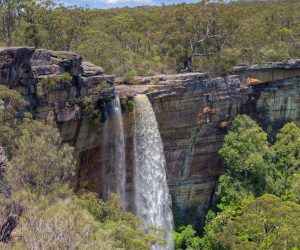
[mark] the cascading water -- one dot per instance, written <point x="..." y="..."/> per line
<point x="152" y="198"/>
<point x="105" y="141"/>
<point x="119" y="150"/>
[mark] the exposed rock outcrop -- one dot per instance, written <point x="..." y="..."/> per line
<point x="26" y="69"/>
<point x="192" y="110"/>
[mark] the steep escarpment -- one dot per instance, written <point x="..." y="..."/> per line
<point x="57" y="85"/>
<point x="193" y="118"/>
<point x="193" y="113"/>
<point x="275" y="92"/>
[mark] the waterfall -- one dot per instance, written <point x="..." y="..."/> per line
<point x="152" y="198"/>
<point x="119" y="150"/>
<point x="105" y="141"/>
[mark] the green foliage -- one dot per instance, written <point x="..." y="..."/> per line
<point x="206" y="36"/>
<point x="39" y="172"/>
<point x="149" y="72"/>
<point x="127" y="104"/>
<point x="185" y="238"/>
<point x="100" y="86"/>
<point x="57" y="221"/>
<point x="41" y="162"/>
<point x="91" y="111"/>
<point x="126" y="229"/>
<point x="11" y="97"/>
<point x="265" y="223"/>
<point x="287" y="146"/>
<point x="256" y="169"/>
<point x="287" y="159"/>
<point x="129" y="77"/>
<point x="278" y="52"/>
<point x="246" y="154"/>
<point x="10" y="102"/>
<point x="51" y="83"/>
<point x="7" y="139"/>
<point x="33" y="35"/>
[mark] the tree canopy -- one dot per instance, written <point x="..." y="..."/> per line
<point x="207" y="36"/>
<point x="258" y="194"/>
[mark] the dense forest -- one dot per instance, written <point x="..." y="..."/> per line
<point x="258" y="196"/>
<point x="147" y="40"/>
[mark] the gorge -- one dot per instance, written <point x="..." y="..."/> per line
<point x="192" y="111"/>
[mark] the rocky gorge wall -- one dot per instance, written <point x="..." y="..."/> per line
<point x="194" y="117"/>
<point x="193" y="113"/>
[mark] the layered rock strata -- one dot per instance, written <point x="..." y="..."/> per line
<point x="193" y="112"/>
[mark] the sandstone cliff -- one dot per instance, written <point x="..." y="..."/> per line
<point x="193" y="113"/>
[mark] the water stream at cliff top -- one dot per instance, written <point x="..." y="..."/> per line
<point x="152" y="198"/>
<point x="119" y="150"/>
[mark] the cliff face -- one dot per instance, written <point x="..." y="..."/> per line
<point x="28" y="70"/>
<point x="192" y="110"/>
<point x="193" y="114"/>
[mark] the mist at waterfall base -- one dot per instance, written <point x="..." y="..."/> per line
<point x="152" y="198"/>
<point x="152" y="202"/>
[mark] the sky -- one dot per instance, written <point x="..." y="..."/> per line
<point x="105" y="4"/>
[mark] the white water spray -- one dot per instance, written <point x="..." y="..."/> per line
<point x="152" y="198"/>
<point x="119" y="150"/>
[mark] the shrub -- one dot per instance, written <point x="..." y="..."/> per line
<point x="276" y="53"/>
<point x="126" y="229"/>
<point x="99" y="87"/>
<point x="91" y="111"/>
<point x="127" y="104"/>
<point x="11" y="101"/>
<point x="150" y="72"/>
<point x="41" y="162"/>
<point x="11" y="97"/>
<point x="61" y="225"/>
<point x="129" y="77"/>
<point x="51" y="83"/>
